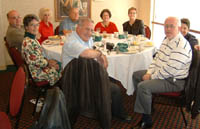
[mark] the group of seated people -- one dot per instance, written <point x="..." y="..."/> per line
<point x="166" y="73"/>
<point x="133" y="26"/>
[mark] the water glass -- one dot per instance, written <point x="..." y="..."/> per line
<point x="126" y="34"/>
<point x="104" y="34"/>
<point x="116" y="34"/>
<point x="98" y="30"/>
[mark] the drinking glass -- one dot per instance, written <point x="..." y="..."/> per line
<point x="126" y="34"/>
<point x="104" y="34"/>
<point x="98" y="30"/>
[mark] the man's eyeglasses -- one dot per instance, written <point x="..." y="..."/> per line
<point x="169" y="26"/>
<point x="17" y="17"/>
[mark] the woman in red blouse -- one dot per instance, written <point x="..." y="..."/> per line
<point x="106" y="25"/>
<point x="46" y="27"/>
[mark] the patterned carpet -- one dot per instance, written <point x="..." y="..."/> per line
<point x="164" y="117"/>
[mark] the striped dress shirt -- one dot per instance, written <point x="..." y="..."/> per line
<point x="172" y="60"/>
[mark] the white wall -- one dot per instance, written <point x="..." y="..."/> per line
<point x="144" y="11"/>
<point x="118" y="9"/>
<point x="2" y="53"/>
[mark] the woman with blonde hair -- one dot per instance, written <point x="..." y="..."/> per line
<point x="46" y="27"/>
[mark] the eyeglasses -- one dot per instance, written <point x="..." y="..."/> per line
<point x="132" y="13"/>
<point x="89" y="30"/>
<point x="169" y="26"/>
<point x="17" y="17"/>
<point x="34" y="25"/>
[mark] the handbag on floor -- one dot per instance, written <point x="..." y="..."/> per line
<point x="54" y="114"/>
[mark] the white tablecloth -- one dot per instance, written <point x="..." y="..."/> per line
<point x="121" y="66"/>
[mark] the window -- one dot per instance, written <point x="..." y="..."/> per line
<point x="178" y="8"/>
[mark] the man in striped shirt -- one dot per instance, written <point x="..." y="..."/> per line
<point x="166" y="73"/>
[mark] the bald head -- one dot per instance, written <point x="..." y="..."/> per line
<point x="74" y="14"/>
<point x="171" y="27"/>
<point x="14" y="18"/>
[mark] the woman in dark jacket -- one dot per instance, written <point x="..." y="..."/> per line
<point x="134" y="26"/>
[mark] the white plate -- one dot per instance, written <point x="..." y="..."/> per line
<point x="49" y="42"/>
<point x="55" y="37"/>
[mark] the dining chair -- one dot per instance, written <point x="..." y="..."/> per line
<point x="179" y="99"/>
<point x="147" y="31"/>
<point x="17" y="95"/>
<point x="56" y="31"/>
<point x="4" y="121"/>
<point x="14" y="54"/>
<point x="41" y="87"/>
<point x="173" y="99"/>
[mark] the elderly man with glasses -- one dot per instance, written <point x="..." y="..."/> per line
<point x="15" y="31"/>
<point x="167" y="72"/>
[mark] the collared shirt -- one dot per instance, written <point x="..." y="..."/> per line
<point x="172" y="60"/>
<point x="73" y="47"/>
<point x="66" y="24"/>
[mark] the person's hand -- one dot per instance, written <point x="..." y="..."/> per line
<point x="103" y="60"/>
<point x="66" y="32"/>
<point x="197" y="47"/>
<point x="146" y="77"/>
<point x="53" y="63"/>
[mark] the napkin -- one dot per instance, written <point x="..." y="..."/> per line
<point x="97" y="38"/>
<point x="121" y="36"/>
<point x="122" y="47"/>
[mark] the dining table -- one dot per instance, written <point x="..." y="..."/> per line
<point x="121" y="65"/>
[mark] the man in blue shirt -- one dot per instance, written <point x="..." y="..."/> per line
<point x="68" y="25"/>
<point x="79" y="44"/>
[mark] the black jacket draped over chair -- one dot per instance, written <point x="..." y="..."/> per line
<point x="192" y="86"/>
<point x="85" y="84"/>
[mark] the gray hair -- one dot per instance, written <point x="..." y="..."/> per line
<point x="28" y="18"/>
<point x="83" y="20"/>
<point x="178" y="23"/>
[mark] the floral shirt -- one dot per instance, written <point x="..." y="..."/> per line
<point x="36" y="61"/>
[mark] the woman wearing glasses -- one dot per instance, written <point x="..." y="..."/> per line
<point x="40" y="67"/>
<point x="134" y="26"/>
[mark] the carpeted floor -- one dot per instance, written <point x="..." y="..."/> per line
<point x="164" y="117"/>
